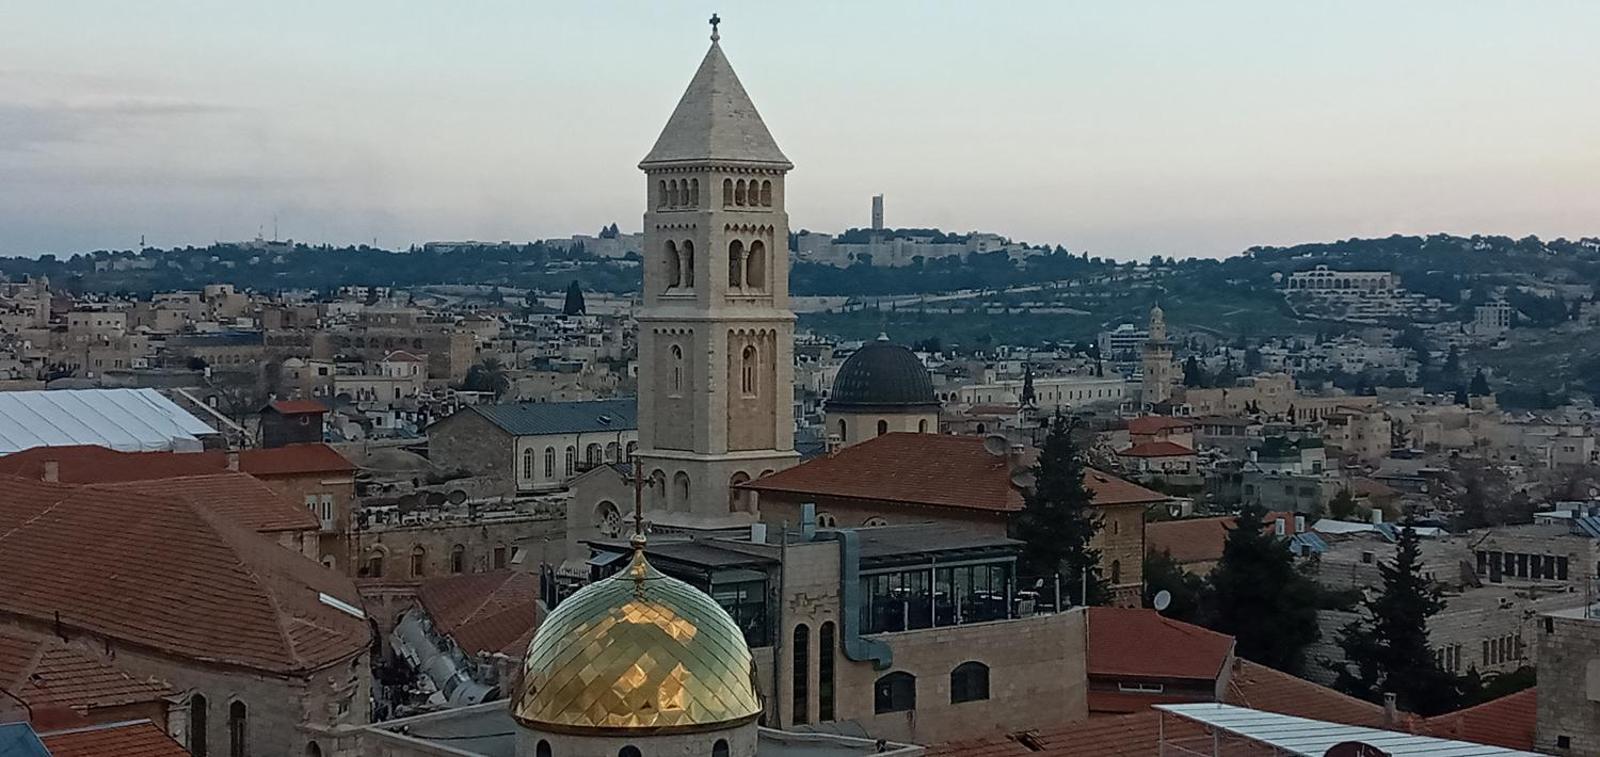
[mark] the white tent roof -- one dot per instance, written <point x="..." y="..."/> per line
<point x="129" y="420"/>
<point x="1313" y="738"/>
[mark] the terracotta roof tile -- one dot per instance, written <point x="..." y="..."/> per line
<point x="44" y="673"/>
<point x="164" y="573"/>
<point x="239" y="496"/>
<point x="932" y="470"/>
<point x="89" y="464"/>
<point x="1190" y="540"/>
<point x="1262" y="688"/>
<point x="1156" y="449"/>
<point x="1505" y="722"/>
<point x="484" y="612"/>
<point x="140" y="738"/>
<point x="1140" y="643"/>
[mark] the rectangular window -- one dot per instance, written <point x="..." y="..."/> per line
<point x="1561" y="568"/>
<point x="1140" y="687"/>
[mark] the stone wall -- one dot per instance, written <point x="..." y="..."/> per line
<point x="1569" y="684"/>
<point x="468" y="441"/>
<point x="540" y="536"/>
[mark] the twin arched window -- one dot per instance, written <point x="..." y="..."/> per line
<point x="679" y="262"/>
<point x="680" y="490"/>
<point x="969" y="682"/>
<point x="749" y="381"/>
<point x="677" y="369"/>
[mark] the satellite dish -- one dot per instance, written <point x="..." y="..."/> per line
<point x="457" y="497"/>
<point x="435" y="499"/>
<point x="996" y="444"/>
<point x="1023" y="479"/>
<point x="1163" y="600"/>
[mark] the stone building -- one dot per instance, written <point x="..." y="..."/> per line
<point x="1568" y="644"/>
<point x="1158" y="370"/>
<point x="287" y="422"/>
<point x="881" y="388"/>
<point x="265" y="649"/>
<point x="531" y="447"/>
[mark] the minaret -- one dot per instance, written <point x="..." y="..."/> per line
<point x="1156" y="386"/>
<point x="716" y="337"/>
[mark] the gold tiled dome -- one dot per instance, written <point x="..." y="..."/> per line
<point x="636" y="651"/>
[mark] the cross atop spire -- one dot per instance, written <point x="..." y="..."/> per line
<point x="715" y="19"/>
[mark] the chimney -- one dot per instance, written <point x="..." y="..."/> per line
<point x="1391" y="712"/>
<point x="1377" y="516"/>
<point x="1299" y="524"/>
<point x="1278" y="526"/>
<point x="233" y="461"/>
<point x="52" y="471"/>
<point x="808" y="520"/>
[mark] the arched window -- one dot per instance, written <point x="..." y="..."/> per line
<point x="720" y="749"/>
<point x="842" y="429"/>
<point x="895" y="692"/>
<point x="611" y="452"/>
<point x="313" y="749"/>
<point x="694" y="193"/>
<point x="826" y="643"/>
<point x="826" y="520"/>
<point x="766" y="194"/>
<point x="748" y="383"/>
<point x="875" y="522"/>
<point x="727" y="192"/>
<point x="687" y="256"/>
<point x="755" y="266"/>
<point x="1116" y="571"/>
<point x="802" y="674"/>
<point x="661" y="199"/>
<point x="922" y="426"/>
<point x="542" y="749"/>
<point x="592" y="454"/>
<point x="236" y="730"/>
<point x="674" y="264"/>
<point x="197" y="725"/>
<point x="419" y="561"/>
<point x="738" y="193"/>
<point x="736" y="496"/>
<point x="680" y="490"/>
<point x="628" y="751"/>
<point x="527" y="463"/>
<point x="458" y="559"/>
<point x="969" y="682"/>
<point x="677" y="369"/>
<point x="550" y="462"/>
<point x="627" y="451"/>
<point x="607" y="519"/>
<point x="572" y="460"/>
<point x="883" y="427"/>
<point x="375" y="564"/>
<point x="735" y="264"/>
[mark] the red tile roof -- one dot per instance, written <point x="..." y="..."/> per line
<point x="1505" y="722"/>
<point x="1195" y="540"/>
<point x="1261" y="688"/>
<point x="1139" y="643"/>
<point x="89" y="464"/>
<point x="44" y="672"/>
<point x="239" y="496"/>
<point x="1151" y="424"/>
<point x="929" y="469"/>
<point x="166" y="574"/>
<point x="298" y="407"/>
<point x="484" y="612"/>
<point x="1157" y="449"/>
<point x="139" y="738"/>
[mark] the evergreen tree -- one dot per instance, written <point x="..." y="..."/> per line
<point x="487" y="376"/>
<point x="1193" y="376"/>
<point x="1387" y="649"/>
<point x="1480" y="385"/>
<point x="1343" y="505"/>
<point x="574" y="304"/>
<point x="1027" y="387"/>
<point x="1163" y="573"/>
<point x="1058" y="519"/>
<point x="1260" y="598"/>
<point x="1461" y="395"/>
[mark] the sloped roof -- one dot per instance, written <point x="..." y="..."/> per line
<point x="1156" y="449"/>
<point x="124" y="419"/>
<point x="544" y="418"/>
<point x="929" y="469"/>
<point x="239" y="496"/>
<point x="138" y="738"/>
<point x="166" y="574"/>
<point x="1259" y="687"/>
<point x="44" y="672"/>
<point x="1141" y="643"/>
<point x="484" y="612"/>
<point x="298" y="407"/>
<point x="715" y="121"/>
<point x="1189" y="540"/>
<point x="1507" y="722"/>
<point x="92" y="464"/>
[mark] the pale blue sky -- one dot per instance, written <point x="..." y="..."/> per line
<point x="1122" y="128"/>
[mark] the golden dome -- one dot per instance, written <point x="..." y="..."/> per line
<point x="638" y="650"/>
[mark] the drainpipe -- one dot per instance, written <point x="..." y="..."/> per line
<point x="855" y="646"/>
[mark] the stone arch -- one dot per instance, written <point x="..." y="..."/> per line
<point x="739" y="193"/>
<point x="766" y="194"/>
<point x="694" y="193"/>
<point x="607" y="518"/>
<point x="593" y="454"/>
<point x="571" y="462"/>
<point x="686" y="259"/>
<point x="458" y="558"/>
<point x="844" y="428"/>
<point x="680" y="492"/>
<point x="727" y="192"/>
<point x="677" y="369"/>
<point x="922" y="426"/>
<point x="661" y="195"/>
<point x="749" y="373"/>
<point x="736" y="255"/>
<point x="755" y="267"/>
<point x="883" y="427"/>
<point x="738" y="499"/>
<point x="674" y="266"/>
<point x="419" y="561"/>
<point x="612" y="451"/>
<point x="198" y="715"/>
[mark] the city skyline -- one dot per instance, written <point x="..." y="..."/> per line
<point x="1123" y="132"/>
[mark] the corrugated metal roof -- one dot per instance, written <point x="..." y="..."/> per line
<point x="542" y="418"/>
<point x="1313" y="738"/>
<point x="130" y="420"/>
<point x="1586" y="525"/>
<point x="18" y="740"/>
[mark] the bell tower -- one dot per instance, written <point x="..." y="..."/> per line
<point x="716" y="337"/>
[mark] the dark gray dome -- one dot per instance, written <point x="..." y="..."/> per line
<point x="882" y="375"/>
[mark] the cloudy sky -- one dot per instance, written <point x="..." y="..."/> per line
<point x="1125" y="129"/>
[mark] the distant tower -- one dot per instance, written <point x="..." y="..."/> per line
<point x="1157" y="364"/>
<point x="877" y="212"/>
<point x="716" y="336"/>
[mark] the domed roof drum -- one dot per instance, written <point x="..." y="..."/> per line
<point x="885" y="376"/>
<point x="637" y="652"/>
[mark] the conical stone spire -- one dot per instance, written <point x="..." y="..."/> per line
<point x="715" y="122"/>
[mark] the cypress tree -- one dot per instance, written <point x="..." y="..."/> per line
<point x="1260" y="598"/>
<point x="574" y="304"/>
<point x="1058" y="520"/>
